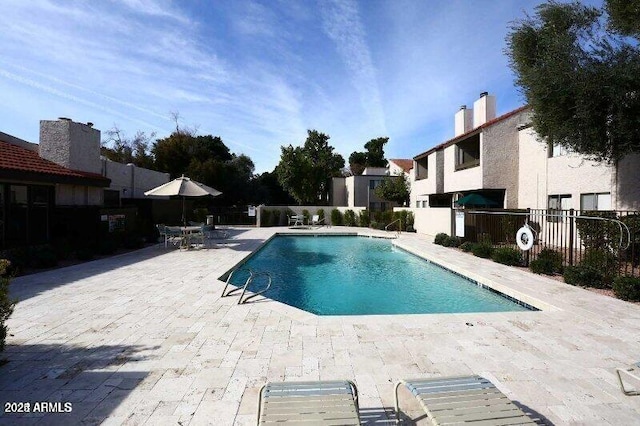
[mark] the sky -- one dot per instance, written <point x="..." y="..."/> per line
<point x="258" y="74"/>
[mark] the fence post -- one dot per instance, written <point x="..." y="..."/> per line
<point x="571" y="236"/>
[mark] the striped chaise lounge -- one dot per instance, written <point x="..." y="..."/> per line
<point x="468" y="399"/>
<point x="326" y="403"/>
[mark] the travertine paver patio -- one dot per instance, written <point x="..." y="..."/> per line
<point x="144" y="338"/>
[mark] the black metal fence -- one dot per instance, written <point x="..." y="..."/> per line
<point x="569" y="232"/>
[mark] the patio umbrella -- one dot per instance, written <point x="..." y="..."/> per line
<point x="184" y="187"/>
<point x="476" y="200"/>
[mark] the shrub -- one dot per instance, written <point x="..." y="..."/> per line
<point x="467" y="246"/>
<point x="452" y="242"/>
<point x="306" y="214"/>
<point x="584" y="276"/>
<point x="6" y="304"/>
<point x="482" y="250"/>
<point x="63" y="248"/>
<point x="364" y="218"/>
<point x="548" y="262"/>
<point x="336" y="217"/>
<point x="604" y="261"/>
<point x="320" y="214"/>
<point x="402" y="215"/>
<point x="441" y="238"/>
<point x="349" y="218"/>
<point x="507" y="256"/>
<point x="411" y="220"/>
<point x="627" y="288"/>
<point x="265" y="217"/>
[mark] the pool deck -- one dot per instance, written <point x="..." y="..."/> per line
<point x="144" y="338"/>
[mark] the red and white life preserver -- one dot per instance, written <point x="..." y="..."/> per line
<point x="524" y="238"/>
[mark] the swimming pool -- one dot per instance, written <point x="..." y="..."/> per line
<point x="348" y="275"/>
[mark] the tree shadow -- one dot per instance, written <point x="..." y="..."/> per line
<point x="91" y="381"/>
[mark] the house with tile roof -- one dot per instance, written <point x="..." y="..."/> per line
<point x="62" y="177"/>
<point x="502" y="160"/>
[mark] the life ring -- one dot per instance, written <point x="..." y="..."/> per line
<point x="524" y="238"/>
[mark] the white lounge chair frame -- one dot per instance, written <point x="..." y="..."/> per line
<point x="319" y="402"/>
<point x="455" y="400"/>
<point x="633" y="371"/>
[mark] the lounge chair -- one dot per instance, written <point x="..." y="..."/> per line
<point x="316" y="221"/>
<point x="326" y="403"/>
<point x="632" y="371"/>
<point x="469" y="399"/>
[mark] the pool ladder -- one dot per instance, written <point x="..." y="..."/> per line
<point x="252" y="275"/>
<point x="398" y="231"/>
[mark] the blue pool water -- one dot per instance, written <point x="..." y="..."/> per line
<point x="341" y="275"/>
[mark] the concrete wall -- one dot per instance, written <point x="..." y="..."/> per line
<point x="69" y="144"/>
<point x="628" y="184"/>
<point x="499" y="158"/>
<point x="132" y="181"/>
<point x="461" y="180"/>
<point x="532" y="171"/>
<point x="338" y="191"/>
<point x="78" y="195"/>
<point x="431" y="221"/>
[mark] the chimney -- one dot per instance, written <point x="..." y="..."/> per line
<point x="72" y="145"/>
<point x="484" y="109"/>
<point x="464" y="120"/>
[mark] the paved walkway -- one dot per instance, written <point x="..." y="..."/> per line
<point x="144" y="338"/>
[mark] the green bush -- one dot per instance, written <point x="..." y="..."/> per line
<point x="306" y="214"/>
<point x="627" y="288"/>
<point x="411" y="220"/>
<point x="467" y="246"/>
<point x="603" y="261"/>
<point x="336" y="217"/>
<point x="584" y="276"/>
<point x="452" y="242"/>
<point x="320" y="214"/>
<point x="441" y="238"/>
<point x="548" y="262"/>
<point x="364" y="218"/>
<point x="265" y="217"/>
<point x="349" y="218"/>
<point x="403" y="216"/>
<point x="507" y="256"/>
<point x="482" y="250"/>
<point x="63" y="248"/>
<point x="6" y="304"/>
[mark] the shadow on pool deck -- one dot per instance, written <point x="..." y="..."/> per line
<point x="86" y="377"/>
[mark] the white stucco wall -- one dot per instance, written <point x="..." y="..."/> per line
<point x="78" y="195"/>
<point x="532" y="167"/>
<point x="135" y="180"/>
<point x="628" y="183"/>
<point x="431" y="221"/>
<point x="572" y="174"/>
<point x="461" y="180"/>
<point x="423" y="186"/>
<point x="72" y="145"/>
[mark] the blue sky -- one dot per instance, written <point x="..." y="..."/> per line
<point x="257" y="73"/>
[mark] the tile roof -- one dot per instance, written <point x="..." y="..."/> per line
<point x="405" y="163"/>
<point x="471" y="132"/>
<point x="16" y="159"/>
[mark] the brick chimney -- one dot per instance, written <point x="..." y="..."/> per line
<point x="463" y="120"/>
<point x="484" y="109"/>
<point x="70" y="144"/>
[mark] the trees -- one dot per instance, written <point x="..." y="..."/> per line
<point x="305" y="172"/>
<point x="372" y="157"/>
<point x="126" y="150"/>
<point x="581" y="80"/>
<point x="394" y="188"/>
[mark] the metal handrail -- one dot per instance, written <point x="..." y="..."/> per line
<point x="253" y="275"/>
<point x="234" y="290"/>
<point x="386" y="228"/>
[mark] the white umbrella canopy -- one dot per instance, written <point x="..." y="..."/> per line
<point x="184" y="187"/>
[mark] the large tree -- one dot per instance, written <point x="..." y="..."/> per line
<point x="372" y="157"/>
<point x="582" y="78"/>
<point x="305" y="172"/>
<point x="394" y="188"/>
<point x="118" y="147"/>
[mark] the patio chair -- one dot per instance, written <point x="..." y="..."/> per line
<point x="320" y="402"/>
<point x="468" y="399"/>
<point x="632" y="371"/>
<point x="316" y="221"/>
<point x="173" y="235"/>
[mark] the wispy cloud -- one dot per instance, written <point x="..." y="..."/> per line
<point x="342" y="23"/>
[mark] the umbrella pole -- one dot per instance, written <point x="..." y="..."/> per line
<point x="184" y="216"/>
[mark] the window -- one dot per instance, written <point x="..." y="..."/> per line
<point x="601" y="201"/>
<point x="440" y="200"/>
<point x="555" y="150"/>
<point x="468" y="153"/>
<point x="422" y="168"/>
<point x="556" y="203"/>
<point x="373" y="184"/>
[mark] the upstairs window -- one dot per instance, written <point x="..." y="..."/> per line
<point x="556" y="204"/>
<point x="468" y="153"/>
<point x="554" y="150"/>
<point x="373" y="184"/>
<point x="422" y="168"/>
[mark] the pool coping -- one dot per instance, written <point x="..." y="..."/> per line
<point x="533" y="305"/>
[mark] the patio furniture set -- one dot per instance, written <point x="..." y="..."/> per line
<point x="301" y="220"/>
<point x="193" y="235"/>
